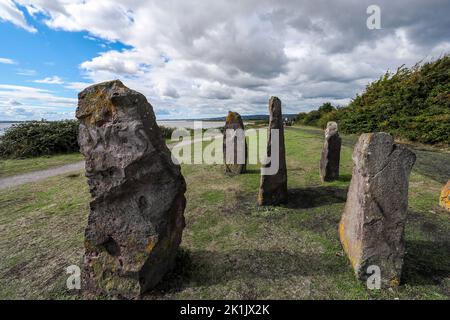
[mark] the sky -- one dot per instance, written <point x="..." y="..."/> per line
<point x="195" y="59"/>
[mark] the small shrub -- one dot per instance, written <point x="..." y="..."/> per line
<point x="166" y="132"/>
<point x="37" y="138"/>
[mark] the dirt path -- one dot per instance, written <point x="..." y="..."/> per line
<point x="38" y="175"/>
<point x="43" y="174"/>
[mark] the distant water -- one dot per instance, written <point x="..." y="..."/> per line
<point x="4" y="126"/>
<point x="189" y="124"/>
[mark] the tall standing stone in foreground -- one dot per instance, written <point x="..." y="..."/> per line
<point x="444" y="200"/>
<point x="331" y="153"/>
<point x="273" y="188"/>
<point x="136" y="214"/>
<point x="372" y="226"/>
<point x="235" y="159"/>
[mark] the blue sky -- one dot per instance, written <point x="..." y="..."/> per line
<point x="47" y="60"/>
<point x="200" y="58"/>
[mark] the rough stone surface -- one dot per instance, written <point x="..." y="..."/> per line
<point x="331" y="153"/>
<point x="233" y="166"/>
<point x="444" y="200"/>
<point x="136" y="215"/>
<point x="372" y="226"/>
<point x="273" y="188"/>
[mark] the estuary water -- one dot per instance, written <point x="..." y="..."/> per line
<point x="188" y="124"/>
<point x="4" y="126"/>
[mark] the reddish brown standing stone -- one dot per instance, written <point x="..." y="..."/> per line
<point x="331" y="153"/>
<point x="273" y="188"/>
<point x="136" y="214"/>
<point x="234" y="141"/>
<point x="372" y="226"/>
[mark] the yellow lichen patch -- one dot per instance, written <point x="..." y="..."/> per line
<point x="97" y="107"/>
<point x="88" y="246"/>
<point x="444" y="200"/>
<point x="231" y="117"/>
<point x="150" y="244"/>
<point x="100" y="108"/>
<point x="395" y="282"/>
<point x="351" y="249"/>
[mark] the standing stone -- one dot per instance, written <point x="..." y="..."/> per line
<point x="235" y="162"/>
<point x="444" y="200"/>
<point x="273" y="188"/>
<point x="331" y="153"/>
<point x="136" y="214"/>
<point x="372" y="226"/>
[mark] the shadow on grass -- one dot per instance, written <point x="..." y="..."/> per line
<point x="252" y="171"/>
<point x="426" y="262"/>
<point x="311" y="197"/>
<point x="345" y="177"/>
<point x="433" y="164"/>
<point x="203" y="268"/>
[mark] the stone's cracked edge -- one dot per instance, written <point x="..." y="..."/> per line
<point x="372" y="226"/>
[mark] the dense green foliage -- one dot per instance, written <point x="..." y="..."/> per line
<point x="315" y="117"/>
<point x="412" y="103"/>
<point x="166" y="132"/>
<point x="36" y="138"/>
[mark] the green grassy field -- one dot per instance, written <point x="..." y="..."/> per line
<point x="231" y="248"/>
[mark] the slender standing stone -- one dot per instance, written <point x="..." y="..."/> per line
<point x="444" y="200"/>
<point x="331" y="153"/>
<point x="236" y="159"/>
<point x="273" y="188"/>
<point x="136" y="218"/>
<point x="372" y="226"/>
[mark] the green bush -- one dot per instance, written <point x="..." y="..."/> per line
<point x="313" y="118"/>
<point x="412" y="103"/>
<point x="166" y="132"/>
<point x="37" y="138"/>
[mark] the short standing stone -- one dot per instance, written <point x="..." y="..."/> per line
<point x="136" y="218"/>
<point x="273" y="187"/>
<point x="234" y="141"/>
<point x="372" y="226"/>
<point x="331" y="153"/>
<point x="444" y="200"/>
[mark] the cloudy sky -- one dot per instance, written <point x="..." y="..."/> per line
<point x="202" y="58"/>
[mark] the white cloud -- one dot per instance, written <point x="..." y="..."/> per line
<point x="33" y="112"/>
<point x="26" y="72"/>
<point x="7" y="61"/>
<point x="79" y="86"/>
<point x="50" y="80"/>
<point x="23" y="102"/>
<point x="13" y="102"/>
<point x="9" y="12"/>
<point x="23" y="93"/>
<point x="201" y="58"/>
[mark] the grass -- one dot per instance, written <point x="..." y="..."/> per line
<point x="231" y="248"/>
<point x="10" y="167"/>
